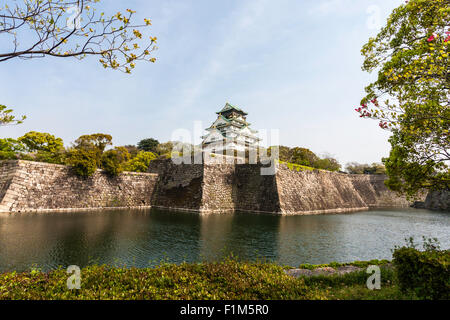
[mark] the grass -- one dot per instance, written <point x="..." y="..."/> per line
<point x="360" y="264"/>
<point x="228" y="279"/>
<point x="298" y="167"/>
<point x="352" y="286"/>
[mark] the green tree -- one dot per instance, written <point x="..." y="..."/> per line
<point x="357" y="168"/>
<point x="304" y="157"/>
<point x="94" y="143"/>
<point x="165" y="149"/>
<point x="141" y="162"/>
<point x="327" y="163"/>
<point x="285" y="153"/>
<point x="66" y="28"/>
<point x="10" y="149"/>
<point x="45" y="147"/>
<point x="113" y="161"/>
<point x="378" y="168"/>
<point x="7" y="118"/>
<point x="82" y="161"/>
<point x="41" y="141"/>
<point x="410" y="55"/>
<point x="132" y="150"/>
<point x="149" y="144"/>
<point x="97" y="141"/>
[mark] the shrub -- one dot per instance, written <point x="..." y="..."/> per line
<point x="83" y="162"/>
<point x="424" y="272"/>
<point x="217" y="280"/>
<point x="113" y="161"/>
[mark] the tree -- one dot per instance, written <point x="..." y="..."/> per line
<point x="97" y="141"/>
<point x="295" y="155"/>
<point x="165" y="149"/>
<point x="141" y="162"/>
<point x="6" y="116"/>
<point x="378" y="168"/>
<point x="411" y="56"/>
<point x="10" y="149"/>
<point x="113" y="161"/>
<point x="132" y="150"/>
<point x="357" y="168"/>
<point x="73" y="28"/>
<point x="94" y="144"/>
<point x="41" y="141"/>
<point x="82" y="161"/>
<point x="149" y="144"/>
<point x="284" y="153"/>
<point x="327" y="163"/>
<point x="303" y="157"/>
<point x="44" y="147"/>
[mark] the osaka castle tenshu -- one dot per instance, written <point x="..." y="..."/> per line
<point x="230" y="134"/>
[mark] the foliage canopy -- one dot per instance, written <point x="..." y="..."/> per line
<point x="73" y="28"/>
<point x="410" y="54"/>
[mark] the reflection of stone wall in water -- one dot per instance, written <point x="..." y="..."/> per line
<point x="36" y="186"/>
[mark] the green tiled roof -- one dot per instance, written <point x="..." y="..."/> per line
<point x="230" y="107"/>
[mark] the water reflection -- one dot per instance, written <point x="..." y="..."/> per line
<point x="145" y="237"/>
<point x="214" y="241"/>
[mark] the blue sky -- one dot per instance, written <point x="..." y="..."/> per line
<point x="293" y="65"/>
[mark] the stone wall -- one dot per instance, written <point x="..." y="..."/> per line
<point x="374" y="192"/>
<point x="438" y="200"/>
<point x="7" y="170"/>
<point x="206" y="188"/>
<point x="218" y="193"/>
<point x="255" y="192"/>
<point x="316" y="192"/>
<point x="223" y="187"/>
<point x="238" y="187"/>
<point x="322" y="191"/>
<point x="179" y="186"/>
<point x="35" y="186"/>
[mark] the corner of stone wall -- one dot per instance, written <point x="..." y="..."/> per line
<point x="8" y="170"/>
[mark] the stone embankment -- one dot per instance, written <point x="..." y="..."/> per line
<point x="205" y="188"/>
<point x="438" y="200"/>
<point x="27" y="186"/>
<point x="229" y="187"/>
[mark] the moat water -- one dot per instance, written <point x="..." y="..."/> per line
<point x="144" y="238"/>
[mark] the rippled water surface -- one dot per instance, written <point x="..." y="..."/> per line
<point x="144" y="238"/>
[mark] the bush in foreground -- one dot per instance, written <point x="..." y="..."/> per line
<point x="219" y="281"/>
<point x="426" y="273"/>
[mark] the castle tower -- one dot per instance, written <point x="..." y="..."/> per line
<point x="231" y="132"/>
